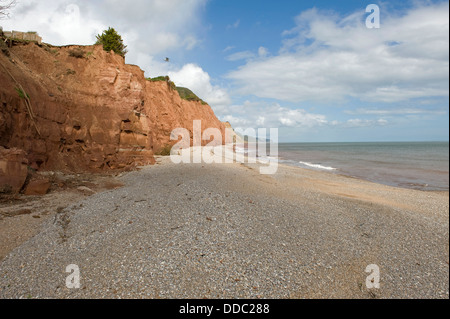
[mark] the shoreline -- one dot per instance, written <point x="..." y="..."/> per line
<point x="358" y="189"/>
<point x="408" y="166"/>
<point x="226" y="231"/>
<point x="368" y="180"/>
<point x="445" y="191"/>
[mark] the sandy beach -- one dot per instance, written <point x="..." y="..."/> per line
<point x="226" y="231"/>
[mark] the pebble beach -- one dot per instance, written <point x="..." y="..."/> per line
<point x="221" y="231"/>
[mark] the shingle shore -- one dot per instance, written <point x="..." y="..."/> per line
<point x="225" y="231"/>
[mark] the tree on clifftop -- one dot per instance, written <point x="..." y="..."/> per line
<point x="111" y="40"/>
<point x="5" y="6"/>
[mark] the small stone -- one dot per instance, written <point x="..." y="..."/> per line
<point x="37" y="187"/>
<point x="86" y="190"/>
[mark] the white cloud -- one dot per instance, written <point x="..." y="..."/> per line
<point x="354" y="123"/>
<point x="299" y="118"/>
<point x="328" y="58"/>
<point x="228" y="48"/>
<point x="237" y="122"/>
<point x="264" y="114"/>
<point x="246" y="55"/>
<point x="243" y="55"/>
<point x="58" y="23"/>
<point x="162" y="25"/>
<point x="235" y="25"/>
<point x="263" y="52"/>
<point x="397" y="111"/>
<point x="149" y="27"/>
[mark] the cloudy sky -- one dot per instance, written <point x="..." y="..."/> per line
<point x="313" y="69"/>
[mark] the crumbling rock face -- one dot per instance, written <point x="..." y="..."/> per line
<point x="92" y="113"/>
<point x="13" y="170"/>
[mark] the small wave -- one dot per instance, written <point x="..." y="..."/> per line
<point x="318" y="166"/>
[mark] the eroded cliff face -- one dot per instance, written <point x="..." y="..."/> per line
<point x="89" y="113"/>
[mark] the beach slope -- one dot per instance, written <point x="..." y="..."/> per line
<point x="225" y="231"/>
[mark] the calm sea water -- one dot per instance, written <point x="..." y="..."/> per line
<point x="416" y="165"/>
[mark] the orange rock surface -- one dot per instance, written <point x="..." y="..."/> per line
<point x="93" y="113"/>
<point x="13" y="170"/>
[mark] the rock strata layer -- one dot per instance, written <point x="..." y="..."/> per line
<point x="81" y="109"/>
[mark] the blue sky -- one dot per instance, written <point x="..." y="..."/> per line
<point x="310" y="68"/>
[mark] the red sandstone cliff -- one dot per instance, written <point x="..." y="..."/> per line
<point x="91" y="113"/>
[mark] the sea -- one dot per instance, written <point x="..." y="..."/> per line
<point x="413" y="165"/>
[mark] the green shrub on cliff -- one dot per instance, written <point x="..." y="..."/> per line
<point x="111" y="40"/>
<point x="3" y="46"/>
<point x="188" y="95"/>
<point x="165" y="151"/>
<point x="160" y="79"/>
<point x="22" y="94"/>
<point x="184" y="93"/>
<point x="76" y="53"/>
<point x="163" y="79"/>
